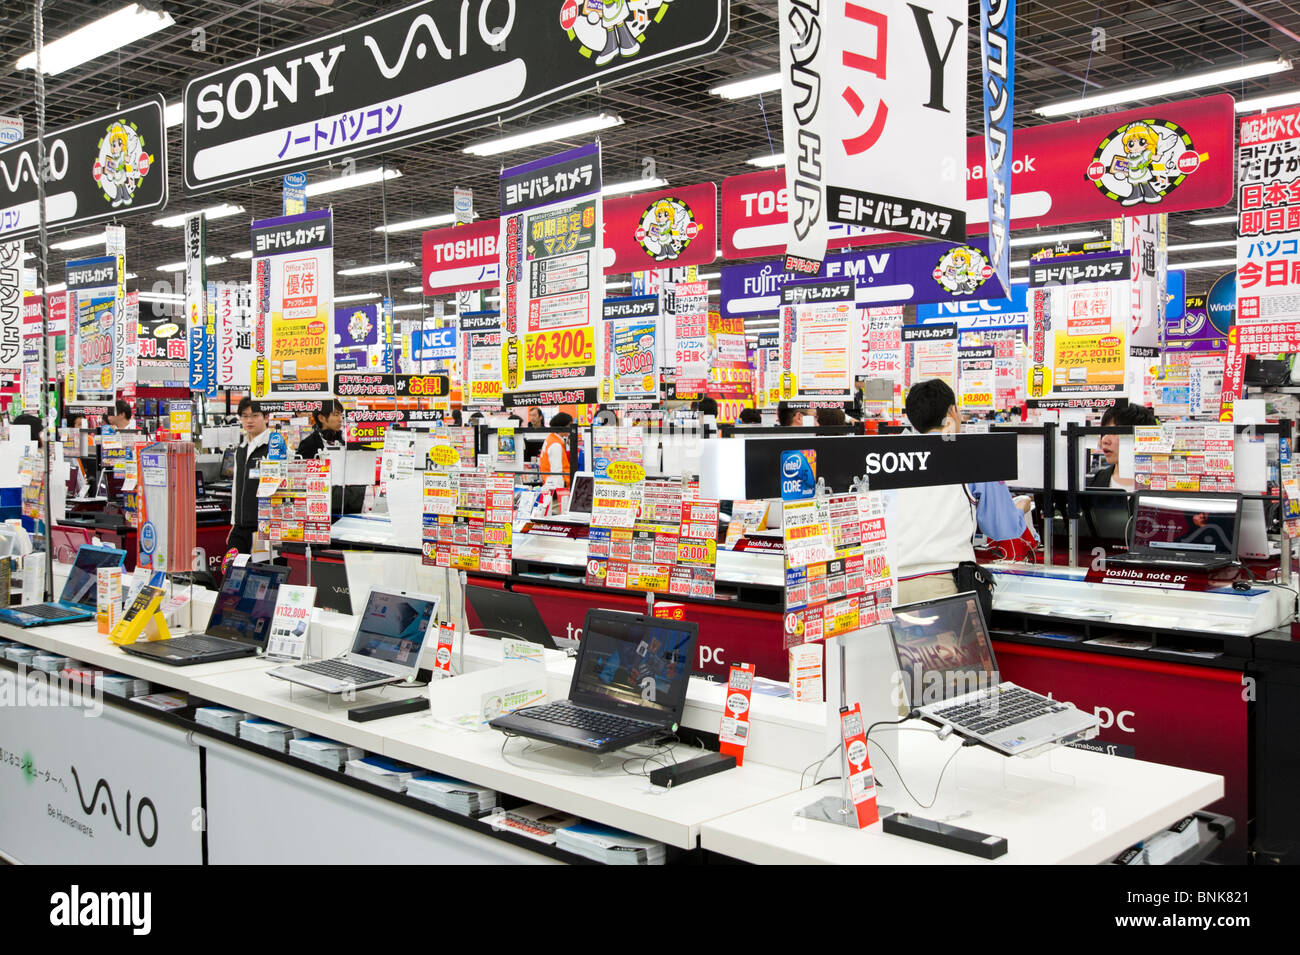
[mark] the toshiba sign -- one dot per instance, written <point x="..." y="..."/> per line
<point x="461" y="258"/>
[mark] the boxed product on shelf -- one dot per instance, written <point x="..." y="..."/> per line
<point x="324" y="752"/>
<point x="80" y="673"/>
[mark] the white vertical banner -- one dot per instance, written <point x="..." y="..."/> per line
<point x="234" y="324"/>
<point x="11" y="306"/>
<point x="894" y="115"/>
<point x="806" y="49"/>
<point x="115" y="245"/>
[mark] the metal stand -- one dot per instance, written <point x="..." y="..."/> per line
<point x="837" y="810"/>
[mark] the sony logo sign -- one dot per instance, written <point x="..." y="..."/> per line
<point x="893" y="462"/>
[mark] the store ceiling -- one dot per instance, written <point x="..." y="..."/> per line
<point x="670" y="117"/>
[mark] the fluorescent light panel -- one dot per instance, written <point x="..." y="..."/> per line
<point x="242" y="254"/>
<point x="547" y="134"/>
<point x="621" y="188"/>
<point x="407" y="308"/>
<point x="739" y="89"/>
<point x="210" y="213"/>
<point x="428" y="222"/>
<point x="1215" y="220"/>
<point x="1193" y="246"/>
<point x="344" y="299"/>
<point x="174" y="114"/>
<point x="378" y="269"/>
<point x="1182" y="84"/>
<point x="767" y="162"/>
<point x="1206" y="264"/>
<point x="81" y="243"/>
<point x="118" y="29"/>
<point x="355" y="181"/>
<point x="1058" y="237"/>
<point x="1268" y="101"/>
<point x="180" y="266"/>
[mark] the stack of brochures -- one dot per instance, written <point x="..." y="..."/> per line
<point x="324" y="752"/>
<point x="388" y="773"/>
<point x="81" y="673"/>
<point x="266" y="733"/>
<point x="49" y="662"/>
<point x="533" y="820"/>
<point x="220" y="718"/>
<point x="121" y="685"/>
<point x="455" y="795"/>
<point x="608" y="845"/>
<point x="20" y="654"/>
<point x="163" y="701"/>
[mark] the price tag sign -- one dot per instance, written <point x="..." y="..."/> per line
<point x="291" y="622"/>
<point x="442" y="658"/>
<point x="862" y="780"/>
<point x="733" y="734"/>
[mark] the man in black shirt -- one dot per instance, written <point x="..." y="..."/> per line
<point x="248" y="467"/>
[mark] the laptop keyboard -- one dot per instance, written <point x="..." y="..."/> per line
<point x="196" y="644"/>
<point x="344" y="672"/>
<point x="997" y="709"/>
<point x="47" y="612"/>
<point x="591" y="721"/>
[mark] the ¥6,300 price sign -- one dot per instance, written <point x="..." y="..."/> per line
<point x="547" y="352"/>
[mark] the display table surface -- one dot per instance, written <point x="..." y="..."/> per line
<point x="1065" y="807"/>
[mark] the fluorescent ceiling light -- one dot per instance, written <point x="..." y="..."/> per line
<point x="620" y="188"/>
<point x="1268" y="101"/>
<point x="355" y="181"/>
<point x="547" y="134"/>
<point x="180" y="266"/>
<point x="1207" y="264"/>
<point x="1215" y="220"/>
<point x="174" y="115"/>
<point x="739" y="89"/>
<point x="60" y="287"/>
<point x="343" y="299"/>
<point x="428" y="222"/>
<point x="715" y="291"/>
<point x="705" y="276"/>
<point x="1182" y="84"/>
<point x="212" y="212"/>
<point x="767" y="162"/>
<point x="1022" y="264"/>
<point x="81" y="243"/>
<point x="617" y="285"/>
<point x="407" y="308"/>
<point x="161" y="297"/>
<point x="378" y="269"/>
<point x="414" y="290"/>
<point x="1193" y="246"/>
<point x="242" y="254"/>
<point x="1058" y="237"/>
<point x="118" y="29"/>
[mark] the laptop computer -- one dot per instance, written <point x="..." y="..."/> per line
<point x="1184" y="529"/>
<point x="581" y="493"/>
<point x="629" y="685"/>
<point x="77" y="602"/>
<point x="238" y="626"/>
<point x="330" y="578"/>
<point x="386" y="648"/>
<point x="504" y="613"/>
<point x="950" y="674"/>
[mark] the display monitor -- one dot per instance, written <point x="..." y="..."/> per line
<point x="634" y="663"/>
<point x="246" y="603"/>
<point x="393" y="628"/>
<point x="1200" y="523"/>
<point x="943" y="649"/>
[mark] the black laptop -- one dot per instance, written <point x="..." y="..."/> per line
<point x="1186" y="529"/>
<point x="629" y="685"/>
<point x="503" y="613"/>
<point x="238" y="627"/>
<point x="330" y="578"/>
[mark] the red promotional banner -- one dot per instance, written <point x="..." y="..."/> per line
<point x="669" y="228"/>
<point x="1169" y="158"/>
<point x="461" y="258"/>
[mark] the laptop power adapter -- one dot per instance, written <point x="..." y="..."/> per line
<point x="698" y="768"/>
<point x="377" y="711"/>
<point x="945" y="836"/>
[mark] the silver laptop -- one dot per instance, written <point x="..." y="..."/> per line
<point x="1183" y="529"/>
<point x="386" y="648"/>
<point x="950" y="675"/>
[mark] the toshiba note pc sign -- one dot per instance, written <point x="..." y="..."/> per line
<point x="426" y="69"/>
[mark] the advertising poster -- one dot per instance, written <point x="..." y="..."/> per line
<point x="234" y="334"/>
<point x="552" y="281"/>
<point x="480" y="336"/>
<point x="461" y="258"/>
<point x="929" y="351"/>
<point x="356" y="338"/>
<point x="1268" y="233"/>
<point x="690" y="322"/>
<point x="817" y="358"/>
<point x="666" y="228"/>
<point x="977" y="377"/>
<point x="293" y="293"/>
<point x="1089" y="338"/>
<point x="202" y="347"/>
<point x="92" y="310"/>
<point x="1199" y="328"/>
<point x="1061" y="173"/>
<point x="630" y="372"/>
<point x="807" y="46"/>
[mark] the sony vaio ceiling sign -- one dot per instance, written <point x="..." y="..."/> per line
<point x="427" y="69"/>
<point x="101" y="168"/>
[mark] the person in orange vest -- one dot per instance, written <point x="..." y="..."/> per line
<point x="554" y="459"/>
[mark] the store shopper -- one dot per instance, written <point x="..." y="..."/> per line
<point x="535" y="419"/>
<point x="1128" y="415"/>
<point x="830" y="418"/>
<point x="120" y="417"/>
<point x="248" y="467"/>
<point x="750" y="416"/>
<point x="554" y="459"/>
<point x="34" y="423"/>
<point x="788" y="417"/>
<point x="932" y="527"/>
<point x="327" y="430"/>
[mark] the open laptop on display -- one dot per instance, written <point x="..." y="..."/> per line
<point x="77" y="602"/>
<point x="331" y="580"/>
<point x="581" y="493"/>
<point x="503" y="613"/>
<point x="1183" y="528"/>
<point x="950" y="675"/>
<point x="629" y="685"/>
<point x="239" y="624"/>
<point x="386" y="648"/>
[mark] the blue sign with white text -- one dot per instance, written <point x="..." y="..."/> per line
<point x="433" y="344"/>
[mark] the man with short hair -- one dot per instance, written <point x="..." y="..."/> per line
<point x="248" y="467"/>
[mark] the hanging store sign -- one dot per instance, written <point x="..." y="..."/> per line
<point x="461" y="258"/>
<point x="104" y="168"/>
<point x="666" y="228"/>
<point x="429" y="68"/>
<point x="1061" y="173"/>
<point x="92" y="316"/>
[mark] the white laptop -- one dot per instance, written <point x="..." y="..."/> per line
<point x="386" y="649"/>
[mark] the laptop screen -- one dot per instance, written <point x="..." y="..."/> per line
<point x="83" y="579"/>
<point x="246" y="603"/>
<point x="634" y="664"/>
<point x="943" y="649"/>
<point x="393" y="627"/>
<point x="580" y="496"/>
<point x="1203" y="523"/>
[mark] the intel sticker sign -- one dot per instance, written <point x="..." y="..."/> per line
<point x="148" y="538"/>
<point x="798" y="475"/>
